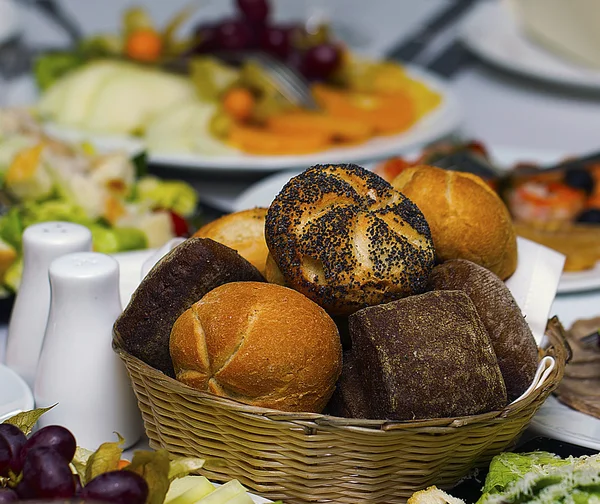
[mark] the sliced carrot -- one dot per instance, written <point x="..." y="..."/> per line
<point x="304" y="122"/>
<point x="144" y="44"/>
<point x="387" y="114"/>
<point x="239" y="103"/>
<point x="259" y="141"/>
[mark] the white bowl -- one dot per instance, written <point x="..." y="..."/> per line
<point x="15" y="395"/>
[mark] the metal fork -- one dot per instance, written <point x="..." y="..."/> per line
<point x="293" y="86"/>
<point x="290" y="83"/>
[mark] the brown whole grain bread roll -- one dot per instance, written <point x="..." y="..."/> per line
<point x="345" y="238"/>
<point x="260" y="344"/>
<point x="243" y="231"/>
<point x="468" y="220"/>
<point x="426" y="356"/>
<point x="177" y="281"/>
<point x="509" y="333"/>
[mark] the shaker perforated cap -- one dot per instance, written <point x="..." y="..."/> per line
<point x="62" y="237"/>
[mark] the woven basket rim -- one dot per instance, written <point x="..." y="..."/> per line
<point x="558" y="349"/>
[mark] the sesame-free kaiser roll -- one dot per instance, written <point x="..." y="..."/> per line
<point x="345" y="238"/>
<point x="468" y="220"/>
<point x="260" y="344"/>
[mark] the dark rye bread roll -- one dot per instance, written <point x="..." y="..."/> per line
<point x="511" y="337"/>
<point x="177" y="281"/>
<point x="426" y="356"/>
<point x="349" y="399"/>
<point x="346" y="239"/>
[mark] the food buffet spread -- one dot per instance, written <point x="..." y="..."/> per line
<point x="375" y="333"/>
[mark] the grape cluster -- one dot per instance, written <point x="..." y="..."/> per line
<point x="315" y="57"/>
<point x="42" y="461"/>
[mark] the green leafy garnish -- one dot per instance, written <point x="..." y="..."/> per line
<point x="104" y="459"/>
<point x="154" y="467"/>
<point x="27" y="419"/>
<point x="183" y="466"/>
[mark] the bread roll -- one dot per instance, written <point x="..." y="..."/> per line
<point x="509" y="333"/>
<point x="260" y="344"/>
<point x="345" y="238"/>
<point x="272" y="272"/>
<point x="426" y="356"/>
<point x="349" y="399"/>
<point x="468" y="220"/>
<point x="177" y="281"/>
<point x="242" y="231"/>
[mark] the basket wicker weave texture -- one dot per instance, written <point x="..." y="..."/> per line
<point x="318" y="458"/>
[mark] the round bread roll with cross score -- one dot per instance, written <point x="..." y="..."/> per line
<point x="468" y="220"/>
<point x="260" y="344"/>
<point x="342" y="236"/>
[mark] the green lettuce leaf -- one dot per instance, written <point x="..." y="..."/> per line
<point x="542" y="477"/>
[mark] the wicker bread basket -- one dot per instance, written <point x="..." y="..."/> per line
<point x="318" y="458"/>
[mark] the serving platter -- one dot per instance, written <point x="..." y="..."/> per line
<point x="15" y="395"/>
<point x="492" y="33"/>
<point x="437" y="124"/>
<point x="263" y="192"/>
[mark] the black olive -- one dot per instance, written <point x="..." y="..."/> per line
<point x="579" y="178"/>
<point x="591" y="215"/>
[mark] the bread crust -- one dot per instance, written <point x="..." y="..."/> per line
<point x="260" y="344"/>
<point x="509" y="332"/>
<point x="243" y="231"/>
<point x="468" y="220"/>
<point x="345" y="238"/>
<point x="426" y="356"/>
<point x="178" y="280"/>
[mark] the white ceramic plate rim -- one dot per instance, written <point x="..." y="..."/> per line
<point x="10" y="23"/>
<point x="490" y="32"/>
<point x="561" y="422"/>
<point x="262" y="193"/>
<point x="21" y="397"/>
<point x="437" y="124"/>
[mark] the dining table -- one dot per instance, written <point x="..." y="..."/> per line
<point x="501" y="108"/>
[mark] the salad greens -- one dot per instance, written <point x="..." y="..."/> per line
<point x="43" y="179"/>
<point x="542" y="477"/>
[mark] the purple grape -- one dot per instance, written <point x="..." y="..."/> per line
<point x="117" y="487"/>
<point x="5" y="456"/>
<point x="256" y="11"/>
<point x="234" y="35"/>
<point x="24" y="492"/>
<point x="276" y="41"/>
<point x="8" y="495"/>
<point x="320" y="61"/>
<point x="47" y="474"/>
<point x="16" y="439"/>
<point x="53" y="436"/>
<point x="207" y="38"/>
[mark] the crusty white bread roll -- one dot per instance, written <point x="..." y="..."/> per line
<point x="242" y="231"/>
<point x="272" y="272"/>
<point x="261" y="344"/>
<point x="433" y="495"/>
<point x="345" y="238"/>
<point x="468" y="220"/>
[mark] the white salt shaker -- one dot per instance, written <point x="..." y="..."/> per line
<point x="42" y="243"/>
<point x="78" y="368"/>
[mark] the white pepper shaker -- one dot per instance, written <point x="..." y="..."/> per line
<point x="42" y="243"/>
<point x="78" y="369"/>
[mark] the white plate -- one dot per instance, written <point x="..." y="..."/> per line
<point x="15" y="395"/>
<point x="556" y="420"/>
<point x="439" y="123"/>
<point x="491" y="32"/>
<point x="9" y="20"/>
<point x="263" y="192"/>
